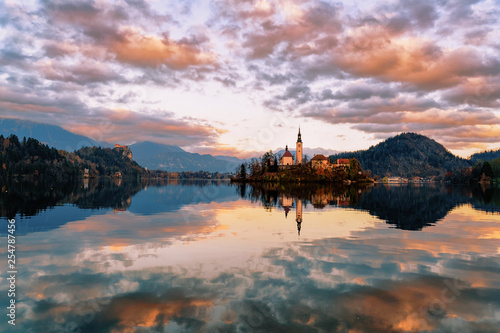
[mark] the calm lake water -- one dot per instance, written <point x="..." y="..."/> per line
<point x="211" y="257"/>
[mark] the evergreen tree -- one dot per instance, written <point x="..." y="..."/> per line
<point x="243" y="171"/>
<point x="487" y="170"/>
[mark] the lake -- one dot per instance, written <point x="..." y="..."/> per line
<point x="201" y="256"/>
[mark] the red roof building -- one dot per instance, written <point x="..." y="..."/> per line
<point x="287" y="154"/>
<point x="320" y="161"/>
<point x="286" y="159"/>
<point x="319" y="157"/>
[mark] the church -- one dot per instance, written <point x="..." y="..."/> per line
<point x="318" y="162"/>
<point x="287" y="159"/>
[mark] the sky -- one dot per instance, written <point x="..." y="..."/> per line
<point x="235" y="77"/>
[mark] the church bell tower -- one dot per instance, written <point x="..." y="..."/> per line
<point x="298" y="158"/>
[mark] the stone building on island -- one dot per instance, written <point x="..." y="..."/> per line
<point x="320" y="161"/>
<point x="287" y="158"/>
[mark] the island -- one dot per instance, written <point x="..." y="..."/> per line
<point x="287" y="168"/>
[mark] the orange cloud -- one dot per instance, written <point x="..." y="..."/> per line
<point x="115" y="126"/>
<point x="142" y="50"/>
<point x="30" y="107"/>
<point x="409" y="59"/>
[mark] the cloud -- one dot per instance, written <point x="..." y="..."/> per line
<point x="137" y="49"/>
<point x="81" y="73"/>
<point x="390" y="69"/>
<point x="360" y="64"/>
<point x="360" y="90"/>
<point x="116" y="125"/>
<point x="475" y="92"/>
<point x="120" y="32"/>
<point x="290" y="24"/>
<point x="101" y="124"/>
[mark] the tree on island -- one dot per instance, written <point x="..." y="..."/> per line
<point x="243" y="171"/>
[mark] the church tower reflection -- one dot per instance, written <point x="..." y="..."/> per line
<point x="287" y="203"/>
<point x="298" y="214"/>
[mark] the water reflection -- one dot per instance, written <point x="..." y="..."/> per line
<point x="35" y="202"/>
<point x="407" y="207"/>
<point x="206" y="257"/>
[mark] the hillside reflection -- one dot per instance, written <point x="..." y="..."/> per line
<point x="407" y="207"/>
<point x="28" y="200"/>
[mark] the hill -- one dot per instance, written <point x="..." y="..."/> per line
<point x="107" y="161"/>
<point x="147" y="150"/>
<point x="53" y="136"/>
<point x="407" y="155"/>
<point x="147" y="154"/>
<point x="30" y="158"/>
<point x="488" y="155"/>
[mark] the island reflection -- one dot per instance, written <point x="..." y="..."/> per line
<point x="404" y="206"/>
<point x="407" y="207"/>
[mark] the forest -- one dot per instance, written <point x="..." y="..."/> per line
<point x="31" y="159"/>
<point x="407" y="155"/>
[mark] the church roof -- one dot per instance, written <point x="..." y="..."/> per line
<point x="287" y="154"/>
<point x="319" y="157"/>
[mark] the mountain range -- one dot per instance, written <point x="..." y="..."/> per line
<point x="147" y="154"/>
<point x="51" y="135"/>
<point x="155" y="156"/>
<point x="407" y="154"/>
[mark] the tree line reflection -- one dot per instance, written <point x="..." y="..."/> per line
<point x="30" y="198"/>
<point x="407" y="207"/>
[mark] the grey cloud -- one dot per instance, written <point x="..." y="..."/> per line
<point x="300" y="93"/>
<point x="485" y="94"/>
<point x="402" y="103"/>
<point x="402" y="16"/>
<point x="360" y="91"/>
<point x="476" y="36"/>
<point x="460" y="10"/>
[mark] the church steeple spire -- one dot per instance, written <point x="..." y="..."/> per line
<point x="298" y="158"/>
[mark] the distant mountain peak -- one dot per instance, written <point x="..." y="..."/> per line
<point x="51" y="135"/>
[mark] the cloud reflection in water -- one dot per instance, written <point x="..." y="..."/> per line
<point x="234" y="266"/>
